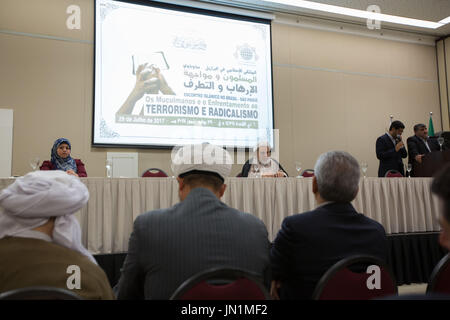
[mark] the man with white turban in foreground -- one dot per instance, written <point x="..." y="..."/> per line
<point x="40" y="239"/>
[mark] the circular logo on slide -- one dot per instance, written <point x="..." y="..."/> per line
<point x="246" y="53"/>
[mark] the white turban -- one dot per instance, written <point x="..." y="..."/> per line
<point x="32" y="199"/>
<point x="201" y="157"/>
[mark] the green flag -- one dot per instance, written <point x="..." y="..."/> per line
<point x="430" y="127"/>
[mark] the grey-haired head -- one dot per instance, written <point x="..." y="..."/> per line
<point x="337" y="175"/>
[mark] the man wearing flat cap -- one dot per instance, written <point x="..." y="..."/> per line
<point x="168" y="246"/>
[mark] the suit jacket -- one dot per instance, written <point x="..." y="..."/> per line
<point x="308" y="244"/>
<point x="81" y="170"/>
<point x="247" y="165"/>
<point x="389" y="158"/>
<point x="417" y="146"/>
<point x="28" y="262"/>
<point x="168" y="246"/>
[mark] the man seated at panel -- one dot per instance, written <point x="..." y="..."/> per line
<point x="420" y="144"/>
<point x="308" y="244"/>
<point x="263" y="165"/>
<point x="390" y="149"/>
<point x="40" y="239"/>
<point x="167" y="246"/>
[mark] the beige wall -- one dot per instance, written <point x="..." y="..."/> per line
<point x="336" y="91"/>
<point x="331" y="90"/>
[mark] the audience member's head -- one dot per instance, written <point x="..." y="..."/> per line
<point x="336" y="177"/>
<point x="44" y="201"/>
<point x="421" y="131"/>
<point x="441" y="187"/>
<point x="396" y="128"/>
<point x="201" y="165"/>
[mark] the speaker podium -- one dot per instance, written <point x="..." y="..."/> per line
<point x="431" y="163"/>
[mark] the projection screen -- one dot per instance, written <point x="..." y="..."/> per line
<point x="167" y="75"/>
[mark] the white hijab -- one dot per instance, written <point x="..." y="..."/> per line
<point x="32" y="199"/>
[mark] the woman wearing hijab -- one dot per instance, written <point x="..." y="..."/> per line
<point x="61" y="159"/>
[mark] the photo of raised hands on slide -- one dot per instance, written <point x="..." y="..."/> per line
<point x="149" y="80"/>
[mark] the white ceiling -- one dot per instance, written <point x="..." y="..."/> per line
<point x="430" y="10"/>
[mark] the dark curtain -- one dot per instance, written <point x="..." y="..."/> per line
<point x="111" y="264"/>
<point x="412" y="257"/>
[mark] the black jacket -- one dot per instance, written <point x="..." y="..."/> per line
<point x="417" y="146"/>
<point x="389" y="158"/>
<point x="308" y="244"/>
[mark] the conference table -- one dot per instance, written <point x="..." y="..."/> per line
<point x="401" y="205"/>
<point x="404" y="206"/>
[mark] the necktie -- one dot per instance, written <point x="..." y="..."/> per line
<point x="426" y="144"/>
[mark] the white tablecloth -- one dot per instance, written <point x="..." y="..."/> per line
<point x="400" y="204"/>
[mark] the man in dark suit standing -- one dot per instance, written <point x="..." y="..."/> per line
<point x="420" y="144"/>
<point x="390" y="149"/>
<point x="308" y="244"/>
<point x="168" y="246"/>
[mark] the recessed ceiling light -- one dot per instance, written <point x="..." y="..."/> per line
<point x="362" y="13"/>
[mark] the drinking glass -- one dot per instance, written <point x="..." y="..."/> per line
<point x="409" y="168"/>
<point x="256" y="170"/>
<point x="298" y="167"/>
<point x="34" y="163"/>
<point x="364" y="167"/>
<point x="440" y="141"/>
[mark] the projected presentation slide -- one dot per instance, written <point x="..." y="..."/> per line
<point x="166" y="77"/>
